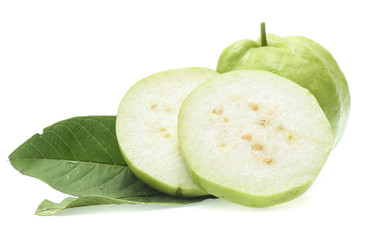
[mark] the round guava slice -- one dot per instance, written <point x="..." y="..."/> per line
<point x="146" y="128"/>
<point x="253" y="137"/>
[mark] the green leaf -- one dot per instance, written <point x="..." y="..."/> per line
<point x="48" y="208"/>
<point x="80" y="156"/>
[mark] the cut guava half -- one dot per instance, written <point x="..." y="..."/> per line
<point x="146" y="128"/>
<point x="253" y="137"/>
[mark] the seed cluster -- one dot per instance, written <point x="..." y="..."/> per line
<point x="219" y="111"/>
<point x="164" y="107"/>
<point x="164" y="133"/>
<point x="264" y="121"/>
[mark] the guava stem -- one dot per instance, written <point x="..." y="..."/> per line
<point x="263" y="34"/>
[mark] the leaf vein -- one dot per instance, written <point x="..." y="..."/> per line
<point x="81" y="177"/>
<point x="38" y="150"/>
<point x="103" y="147"/>
<point x="62" y="139"/>
<point x="112" y="134"/>
<point x="111" y="178"/>
<point x="44" y="139"/>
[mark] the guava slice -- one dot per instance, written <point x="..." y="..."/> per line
<point x="146" y="128"/>
<point x="253" y="137"/>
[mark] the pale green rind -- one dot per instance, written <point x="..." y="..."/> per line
<point x="245" y="199"/>
<point x="48" y="208"/>
<point x="164" y="187"/>
<point x="155" y="183"/>
<point x="79" y="156"/>
<point x="302" y="61"/>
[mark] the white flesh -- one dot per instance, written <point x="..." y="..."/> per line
<point x="255" y="133"/>
<point x="147" y="129"/>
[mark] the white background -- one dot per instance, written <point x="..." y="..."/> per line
<point x="60" y="59"/>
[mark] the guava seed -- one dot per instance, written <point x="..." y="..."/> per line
<point x="257" y="147"/>
<point x="253" y="106"/>
<point x="154" y="106"/>
<point x="218" y="111"/>
<point x="268" y="160"/>
<point x="247" y="137"/>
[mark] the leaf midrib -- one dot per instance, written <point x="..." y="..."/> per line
<point x="68" y="160"/>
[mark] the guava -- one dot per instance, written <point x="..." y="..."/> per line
<point x="253" y="137"/>
<point x="146" y="129"/>
<point x="300" y="60"/>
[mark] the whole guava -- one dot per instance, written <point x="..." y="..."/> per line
<point x="300" y="60"/>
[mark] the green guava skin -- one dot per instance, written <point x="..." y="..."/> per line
<point x="301" y="60"/>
